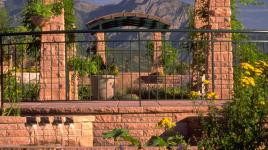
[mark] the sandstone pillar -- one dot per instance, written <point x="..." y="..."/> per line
<point x="73" y="76"/>
<point x="219" y="69"/>
<point x="100" y="45"/>
<point x="157" y="53"/>
<point x="52" y="61"/>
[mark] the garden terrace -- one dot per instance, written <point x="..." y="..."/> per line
<point x="139" y="81"/>
<point x="129" y="68"/>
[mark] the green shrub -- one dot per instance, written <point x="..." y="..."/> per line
<point x="84" y="92"/>
<point x="241" y="124"/>
<point x="15" y="92"/>
<point x="160" y="93"/>
<point x="38" y="8"/>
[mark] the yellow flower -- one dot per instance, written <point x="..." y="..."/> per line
<point x="262" y="102"/>
<point x="206" y="82"/>
<point x="247" y="81"/>
<point x="261" y="63"/>
<point x="211" y="95"/>
<point x="166" y="123"/>
<point x="247" y="66"/>
<point x="194" y="94"/>
<point x="258" y="72"/>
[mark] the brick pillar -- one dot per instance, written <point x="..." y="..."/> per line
<point x="100" y="45"/>
<point x="219" y="58"/>
<point x="52" y="61"/>
<point x="157" y="53"/>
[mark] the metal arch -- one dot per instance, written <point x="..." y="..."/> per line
<point x="128" y="19"/>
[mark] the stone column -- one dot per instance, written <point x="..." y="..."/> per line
<point x="157" y="53"/>
<point x="100" y="45"/>
<point x="219" y="57"/>
<point x="73" y="76"/>
<point x="52" y="61"/>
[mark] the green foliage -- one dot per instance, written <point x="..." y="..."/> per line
<point x="241" y="124"/>
<point x="161" y="93"/>
<point x="84" y="92"/>
<point x="172" y="140"/>
<point x="169" y="58"/>
<point x="15" y="92"/>
<point x="38" y="8"/>
<point x="84" y="66"/>
<point x="157" y="141"/>
<point x="11" y="93"/>
<point x="92" y="66"/>
<point x="13" y="110"/>
<point x="123" y="134"/>
<point x="4" y="21"/>
<point x="69" y="14"/>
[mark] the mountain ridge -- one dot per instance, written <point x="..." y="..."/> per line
<point x="174" y="11"/>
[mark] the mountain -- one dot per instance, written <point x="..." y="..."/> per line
<point x="173" y="11"/>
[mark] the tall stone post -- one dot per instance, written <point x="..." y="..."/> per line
<point x="157" y="53"/>
<point x="219" y="57"/>
<point x="52" y="61"/>
<point x="100" y="45"/>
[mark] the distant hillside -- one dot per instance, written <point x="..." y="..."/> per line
<point x="173" y="11"/>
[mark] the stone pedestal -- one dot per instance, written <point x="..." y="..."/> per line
<point x="157" y="53"/>
<point x="100" y="45"/>
<point x="219" y="57"/>
<point x="52" y="61"/>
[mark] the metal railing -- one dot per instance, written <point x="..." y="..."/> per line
<point x="26" y="63"/>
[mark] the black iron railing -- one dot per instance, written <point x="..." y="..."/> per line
<point x="125" y="65"/>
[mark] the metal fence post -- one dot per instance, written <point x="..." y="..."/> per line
<point x="2" y="74"/>
<point x="212" y="62"/>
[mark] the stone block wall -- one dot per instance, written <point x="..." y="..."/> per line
<point x="46" y="131"/>
<point x="52" y="61"/>
<point x="141" y="122"/>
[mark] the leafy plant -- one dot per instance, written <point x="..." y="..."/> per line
<point x="4" y="22"/>
<point x="156" y="141"/>
<point x="123" y="134"/>
<point x="241" y="124"/>
<point x="84" y="92"/>
<point x="160" y="93"/>
<point x="92" y="66"/>
<point x="84" y="66"/>
<point x="38" y="8"/>
<point x="12" y="94"/>
<point x="169" y="58"/>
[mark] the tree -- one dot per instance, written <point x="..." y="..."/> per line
<point x="4" y="21"/>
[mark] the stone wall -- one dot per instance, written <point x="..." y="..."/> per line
<point x="220" y="57"/>
<point x="46" y="131"/>
<point x="141" y="122"/>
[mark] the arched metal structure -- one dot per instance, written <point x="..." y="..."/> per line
<point x="128" y="19"/>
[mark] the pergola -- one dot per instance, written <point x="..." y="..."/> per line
<point x="130" y="19"/>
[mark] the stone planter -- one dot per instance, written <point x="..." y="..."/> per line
<point x="102" y="87"/>
<point x="39" y="21"/>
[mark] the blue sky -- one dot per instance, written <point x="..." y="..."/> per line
<point x="253" y="17"/>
